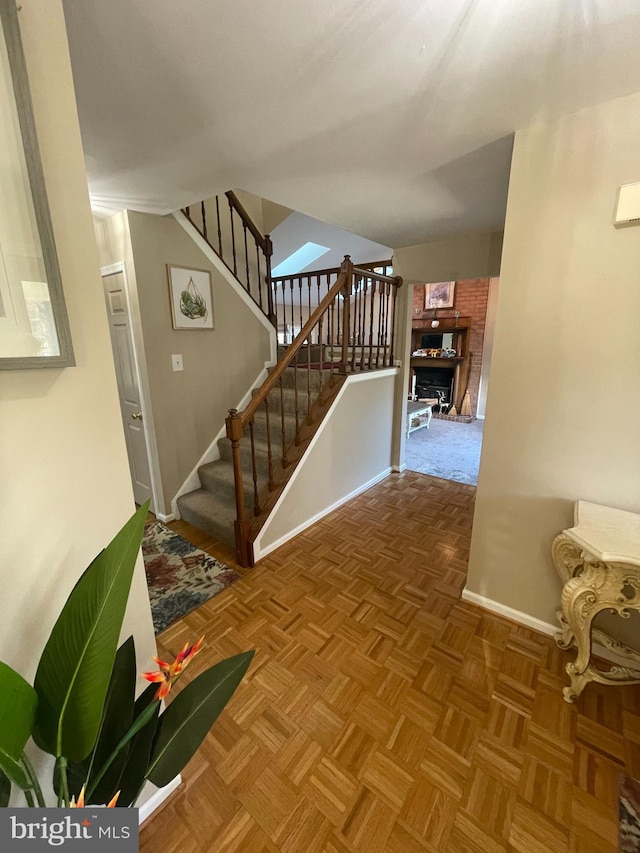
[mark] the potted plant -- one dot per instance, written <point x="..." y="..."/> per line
<point x="82" y="708"/>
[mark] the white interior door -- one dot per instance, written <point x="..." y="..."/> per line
<point x="128" y="384"/>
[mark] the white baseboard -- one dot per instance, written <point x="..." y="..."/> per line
<point x="537" y="624"/>
<point x="152" y="798"/>
<point x="510" y="613"/>
<point x="259" y="553"/>
<point x="398" y="469"/>
<point x="165" y="518"/>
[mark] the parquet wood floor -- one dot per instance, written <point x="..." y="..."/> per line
<point x="381" y="713"/>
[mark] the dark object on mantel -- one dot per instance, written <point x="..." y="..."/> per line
<point x="431" y="342"/>
<point x="447" y="373"/>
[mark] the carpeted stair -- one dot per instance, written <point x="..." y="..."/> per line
<point x="212" y="507"/>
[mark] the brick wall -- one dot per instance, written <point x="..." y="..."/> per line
<point x="470" y="299"/>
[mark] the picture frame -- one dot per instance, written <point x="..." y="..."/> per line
<point x="34" y="325"/>
<point x="439" y="294"/>
<point x="191" y="297"/>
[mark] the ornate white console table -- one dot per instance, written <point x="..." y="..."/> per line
<point x="598" y="561"/>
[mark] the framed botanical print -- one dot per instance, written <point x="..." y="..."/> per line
<point x="190" y="294"/>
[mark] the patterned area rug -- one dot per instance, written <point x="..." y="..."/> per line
<point x="629" y="815"/>
<point x="180" y="577"/>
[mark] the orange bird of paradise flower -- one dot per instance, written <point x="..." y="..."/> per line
<point x="80" y="804"/>
<point x="170" y="672"/>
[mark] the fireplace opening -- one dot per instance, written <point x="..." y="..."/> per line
<point x="434" y="382"/>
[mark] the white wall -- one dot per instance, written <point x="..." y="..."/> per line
<point x="65" y="478"/>
<point x="333" y="468"/>
<point x="563" y="412"/>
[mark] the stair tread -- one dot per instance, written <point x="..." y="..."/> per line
<point x="205" y="510"/>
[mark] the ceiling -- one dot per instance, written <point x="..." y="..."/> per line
<point x="297" y="229"/>
<point x="391" y="118"/>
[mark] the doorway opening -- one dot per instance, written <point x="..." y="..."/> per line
<point x="452" y="327"/>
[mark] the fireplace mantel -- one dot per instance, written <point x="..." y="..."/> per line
<point x="459" y="327"/>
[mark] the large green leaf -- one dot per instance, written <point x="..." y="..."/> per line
<point x="185" y="723"/>
<point x="18" y="701"/>
<point x="75" y="667"/>
<point x="135" y="771"/>
<point x="116" y="719"/>
<point x="5" y="790"/>
<point x="145" y="699"/>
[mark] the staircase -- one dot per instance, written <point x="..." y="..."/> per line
<point x="330" y="324"/>
<point x="213" y="506"/>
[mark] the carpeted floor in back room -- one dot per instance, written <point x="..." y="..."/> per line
<point x="447" y="449"/>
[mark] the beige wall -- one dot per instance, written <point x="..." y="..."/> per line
<point x="189" y="407"/>
<point x="332" y="467"/>
<point x="563" y="412"/>
<point x="65" y="478"/>
<point x="472" y="255"/>
<point x="273" y="214"/>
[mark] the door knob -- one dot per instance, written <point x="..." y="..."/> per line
<point x="137" y="416"/>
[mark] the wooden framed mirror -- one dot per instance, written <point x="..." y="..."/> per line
<point x="34" y="327"/>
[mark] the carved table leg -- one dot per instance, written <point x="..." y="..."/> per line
<point x="599" y="586"/>
<point x="579" y="606"/>
<point x="565" y="637"/>
<point x="567" y="558"/>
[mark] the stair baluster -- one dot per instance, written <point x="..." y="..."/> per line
<point x="282" y="421"/>
<point x="372" y="299"/>
<point x="219" y="228"/>
<point x="254" y="469"/>
<point x="234" y="433"/>
<point x="269" y="452"/>
<point x="296" y="407"/>
<point x="259" y="276"/>
<point x="246" y="260"/>
<point x="233" y="238"/>
<point x="203" y="213"/>
<point x="309" y="417"/>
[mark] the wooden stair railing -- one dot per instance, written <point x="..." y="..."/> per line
<point x="229" y="230"/>
<point x="351" y="329"/>
<point x="294" y="295"/>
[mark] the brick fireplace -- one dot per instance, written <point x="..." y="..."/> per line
<point x="470" y="299"/>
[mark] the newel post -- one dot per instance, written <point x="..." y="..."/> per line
<point x="396" y="285"/>
<point x="234" y="434"/>
<point x="268" y="252"/>
<point x="347" y="268"/>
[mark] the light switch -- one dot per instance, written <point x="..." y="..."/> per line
<point x="176" y="362"/>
